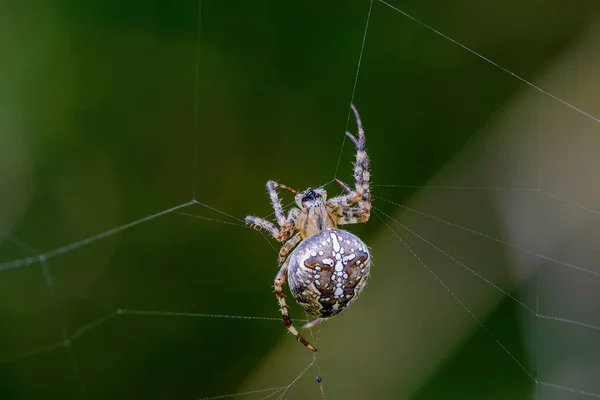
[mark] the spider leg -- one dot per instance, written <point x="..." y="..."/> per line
<point x="289" y="189"/>
<point x="272" y="186"/>
<point x="361" y="195"/>
<point x="287" y="225"/>
<point x="279" y="281"/>
<point x="361" y="168"/>
<point x="345" y="186"/>
<point x="257" y="223"/>
<point x="350" y="215"/>
<point x="289" y="245"/>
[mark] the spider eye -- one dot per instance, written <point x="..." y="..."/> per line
<point x="310" y="194"/>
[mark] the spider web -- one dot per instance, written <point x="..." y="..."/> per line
<point x="485" y="265"/>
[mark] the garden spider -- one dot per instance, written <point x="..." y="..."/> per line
<point x="329" y="268"/>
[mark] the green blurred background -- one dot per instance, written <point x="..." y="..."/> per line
<point x="112" y="111"/>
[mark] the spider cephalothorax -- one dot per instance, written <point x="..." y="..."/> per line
<point x="329" y="267"/>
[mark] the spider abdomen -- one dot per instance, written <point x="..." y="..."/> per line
<point x="328" y="271"/>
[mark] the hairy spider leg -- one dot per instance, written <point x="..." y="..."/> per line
<point x="279" y="281"/>
<point x="287" y="225"/>
<point x="350" y="215"/>
<point x="361" y="171"/>
<point x="361" y="195"/>
<point x="257" y="223"/>
<point x="288" y="246"/>
<point x="289" y="189"/>
<point x="347" y="215"/>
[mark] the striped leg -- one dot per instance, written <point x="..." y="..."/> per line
<point x="279" y="281"/>
<point x="289" y="245"/>
<point x="281" y="235"/>
<point x="257" y="223"/>
<point x="351" y="214"/>
<point x="361" y="193"/>
<point x="287" y="225"/>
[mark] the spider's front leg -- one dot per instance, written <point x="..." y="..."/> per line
<point x="287" y="225"/>
<point x="279" y="281"/>
<point x="361" y="195"/>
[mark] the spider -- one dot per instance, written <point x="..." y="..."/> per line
<point x="329" y="267"/>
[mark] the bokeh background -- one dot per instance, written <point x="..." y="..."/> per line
<point x="113" y="111"/>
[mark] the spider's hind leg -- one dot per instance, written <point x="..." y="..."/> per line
<point x="279" y="281"/>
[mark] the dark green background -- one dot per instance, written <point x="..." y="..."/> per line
<point x="105" y="93"/>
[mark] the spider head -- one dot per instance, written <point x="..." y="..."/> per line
<point x="311" y="197"/>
